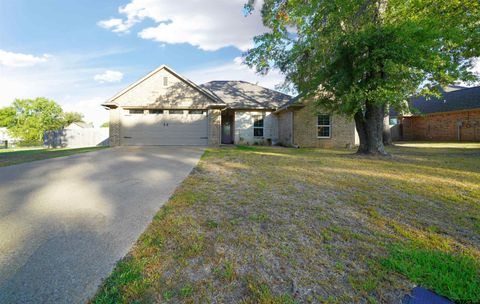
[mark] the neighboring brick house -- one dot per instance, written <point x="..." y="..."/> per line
<point x="455" y="116"/>
<point x="164" y="108"/>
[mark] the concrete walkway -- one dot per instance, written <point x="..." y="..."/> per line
<point x="64" y="222"/>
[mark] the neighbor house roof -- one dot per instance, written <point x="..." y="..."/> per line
<point x="450" y="101"/>
<point x="81" y="124"/>
<point x="245" y="95"/>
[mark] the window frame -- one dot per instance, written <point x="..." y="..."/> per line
<point x="176" y="112"/>
<point x="156" y="111"/>
<point x="262" y="116"/>
<point x="136" y="111"/>
<point x="165" y="81"/>
<point x="329" y="126"/>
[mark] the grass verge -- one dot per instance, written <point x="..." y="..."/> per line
<point x="9" y="157"/>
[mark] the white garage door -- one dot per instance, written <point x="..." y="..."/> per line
<point x="164" y="127"/>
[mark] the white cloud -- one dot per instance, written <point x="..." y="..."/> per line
<point x="11" y="59"/>
<point x="109" y="76"/>
<point x="235" y="71"/>
<point x="116" y="25"/>
<point x="208" y="25"/>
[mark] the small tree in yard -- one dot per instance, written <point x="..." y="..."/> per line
<point x="359" y="57"/>
<point x="28" y="119"/>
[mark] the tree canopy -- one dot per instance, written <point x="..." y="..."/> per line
<point x="28" y="119"/>
<point x="69" y="117"/>
<point x="357" y="57"/>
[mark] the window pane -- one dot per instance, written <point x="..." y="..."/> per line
<point x="323" y="120"/>
<point x="393" y="121"/>
<point x="258" y="121"/>
<point x="175" y="111"/>
<point x="165" y="81"/>
<point x="135" y="111"/>
<point x="258" y="132"/>
<point x="156" y="111"/>
<point x="196" y="111"/>
<point x="323" y="131"/>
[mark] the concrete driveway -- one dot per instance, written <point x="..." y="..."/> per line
<point x="65" y="222"/>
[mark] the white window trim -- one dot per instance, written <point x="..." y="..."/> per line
<point x="263" y="127"/>
<point x="329" y="126"/>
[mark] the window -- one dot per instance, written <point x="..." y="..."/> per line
<point x="393" y="121"/>
<point x="196" y="112"/>
<point x="165" y="81"/>
<point x="175" y="111"/>
<point x="258" y="126"/>
<point x="155" y="111"/>
<point x="324" y="126"/>
<point x="135" y="111"/>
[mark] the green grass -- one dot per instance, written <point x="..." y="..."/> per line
<point x="455" y="276"/>
<point x="10" y="157"/>
<point x="272" y="225"/>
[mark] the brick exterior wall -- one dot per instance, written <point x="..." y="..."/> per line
<point x="442" y="126"/>
<point x="114" y="127"/>
<point x="305" y="129"/>
<point x="284" y="119"/>
<point x="214" y="127"/>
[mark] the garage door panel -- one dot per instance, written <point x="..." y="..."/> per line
<point x="147" y="129"/>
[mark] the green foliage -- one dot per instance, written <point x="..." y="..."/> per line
<point x="28" y="119"/>
<point x="7" y="117"/>
<point x="70" y="117"/>
<point x="456" y="277"/>
<point x="380" y="51"/>
<point x="105" y="125"/>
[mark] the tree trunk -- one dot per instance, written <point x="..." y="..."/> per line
<point x="370" y="129"/>
<point x="362" y="132"/>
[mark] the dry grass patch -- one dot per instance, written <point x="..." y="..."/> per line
<point x="271" y="225"/>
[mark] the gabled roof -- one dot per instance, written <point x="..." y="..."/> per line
<point x="111" y="101"/>
<point x="245" y="95"/>
<point x="450" y="101"/>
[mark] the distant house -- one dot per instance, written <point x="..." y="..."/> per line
<point x="455" y="116"/>
<point x="79" y="125"/>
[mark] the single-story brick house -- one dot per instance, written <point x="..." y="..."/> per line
<point x="455" y="116"/>
<point x="164" y="108"/>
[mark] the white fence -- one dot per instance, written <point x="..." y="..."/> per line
<point x="76" y="138"/>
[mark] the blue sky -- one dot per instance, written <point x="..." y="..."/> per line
<point x="80" y="53"/>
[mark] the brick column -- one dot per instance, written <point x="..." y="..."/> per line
<point x="114" y="127"/>
<point x="214" y="127"/>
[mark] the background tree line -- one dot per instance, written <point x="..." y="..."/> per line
<point x="28" y="119"/>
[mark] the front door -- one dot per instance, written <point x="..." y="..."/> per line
<point x="227" y="128"/>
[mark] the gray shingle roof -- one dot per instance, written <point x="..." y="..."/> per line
<point x="245" y="95"/>
<point x="451" y="100"/>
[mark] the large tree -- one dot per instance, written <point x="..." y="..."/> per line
<point x="359" y="57"/>
<point x="28" y="119"/>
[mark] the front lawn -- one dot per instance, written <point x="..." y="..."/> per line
<point x="273" y="225"/>
<point x="15" y="156"/>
